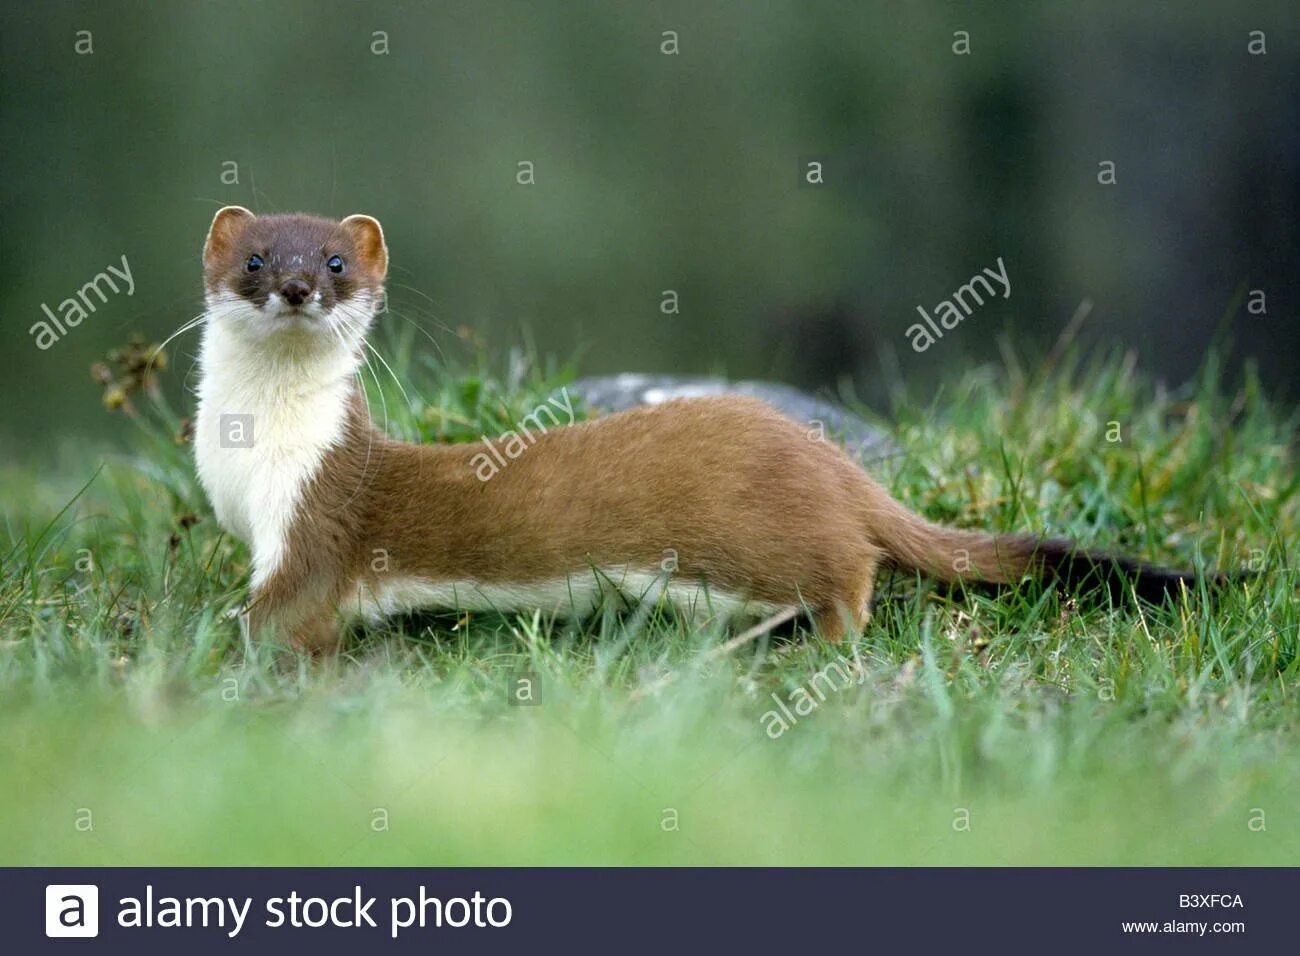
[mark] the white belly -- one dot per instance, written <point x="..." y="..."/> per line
<point x="574" y="596"/>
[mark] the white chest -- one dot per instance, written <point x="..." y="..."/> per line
<point x="264" y="425"/>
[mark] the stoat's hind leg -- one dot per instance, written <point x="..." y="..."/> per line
<point x="851" y="609"/>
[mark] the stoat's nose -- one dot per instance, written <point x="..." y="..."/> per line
<point x="295" y="291"/>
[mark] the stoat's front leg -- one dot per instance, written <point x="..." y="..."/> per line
<point x="291" y="608"/>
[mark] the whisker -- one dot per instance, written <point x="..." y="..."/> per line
<point x="370" y="432"/>
<point x="374" y="377"/>
<point x="193" y="323"/>
<point x="422" y="330"/>
<point x="357" y="330"/>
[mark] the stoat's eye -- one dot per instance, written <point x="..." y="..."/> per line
<point x="255" y="263"/>
<point x="335" y="265"/>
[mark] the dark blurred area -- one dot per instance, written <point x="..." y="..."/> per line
<point x="670" y="145"/>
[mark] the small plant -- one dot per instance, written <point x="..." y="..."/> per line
<point x="129" y="370"/>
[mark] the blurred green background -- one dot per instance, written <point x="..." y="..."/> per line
<point x="663" y="171"/>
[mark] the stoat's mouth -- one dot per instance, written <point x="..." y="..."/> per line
<point x="296" y="311"/>
<point x="284" y="315"/>
<point x="294" y="324"/>
<point x="306" y="312"/>
<point x="295" y="316"/>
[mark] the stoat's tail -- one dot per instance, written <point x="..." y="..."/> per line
<point x="953" y="555"/>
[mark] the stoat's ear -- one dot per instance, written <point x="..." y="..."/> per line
<point x="368" y="238"/>
<point x="226" y="226"/>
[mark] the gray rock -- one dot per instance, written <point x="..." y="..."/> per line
<point x="614" y="393"/>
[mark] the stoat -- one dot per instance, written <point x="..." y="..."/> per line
<point x="719" y="505"/>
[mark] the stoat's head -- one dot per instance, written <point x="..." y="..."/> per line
<point x="294" y="277"/>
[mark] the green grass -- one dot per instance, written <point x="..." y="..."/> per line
<point x="137" y="727"/>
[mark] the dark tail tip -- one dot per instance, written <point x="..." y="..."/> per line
<point x="1084" y="572"/>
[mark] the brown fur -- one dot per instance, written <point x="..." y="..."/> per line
<point x="742" y="496"/>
